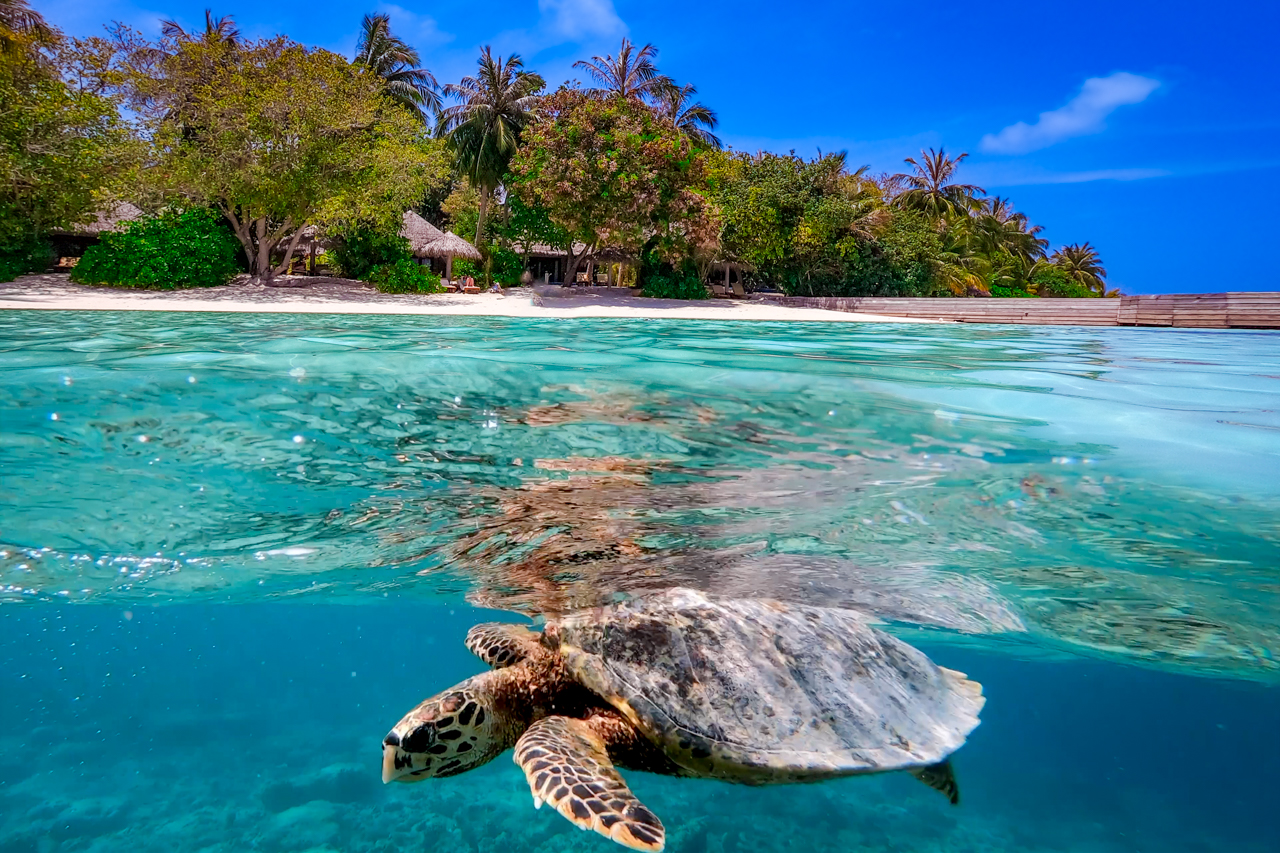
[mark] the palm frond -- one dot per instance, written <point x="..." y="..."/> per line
<point x="632" y="75"/>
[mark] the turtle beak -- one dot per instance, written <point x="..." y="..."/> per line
<point x="389" y="771"/>
<point x="391" y="768"/>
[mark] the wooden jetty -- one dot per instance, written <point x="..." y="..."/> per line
<point x="1178" y="310"/>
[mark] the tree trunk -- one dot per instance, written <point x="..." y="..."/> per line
<point x="262" y="260"/>
<point x="484" y="209"/>
<point x="289" y="250"/>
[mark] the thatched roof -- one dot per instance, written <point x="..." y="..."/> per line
<point x="110" y="218"/>
<point x="544" y="250"/>
<point x="613" y="255"/>
<point x="419" y="232"/>
<point x="451" y="246"/>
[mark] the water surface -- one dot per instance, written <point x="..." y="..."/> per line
<point x="236" y="549"/>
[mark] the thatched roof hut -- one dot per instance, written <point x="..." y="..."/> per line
<point x="420" y="233"/>
<point x="110" y="218"/>
<point x="450" y="246"/>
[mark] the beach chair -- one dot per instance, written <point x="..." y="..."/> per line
<point x="471" y="289"/>
<point x="738" y="291"/>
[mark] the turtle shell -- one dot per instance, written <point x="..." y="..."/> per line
<point x="758" y="691"/>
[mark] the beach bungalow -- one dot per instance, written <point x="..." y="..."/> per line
<point x="71" y="244"/>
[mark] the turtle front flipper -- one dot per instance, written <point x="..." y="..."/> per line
<point x="502" y="644"/>
<point x="568" y="766"/>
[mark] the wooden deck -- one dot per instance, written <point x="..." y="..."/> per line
<point x="1180" y="310"/>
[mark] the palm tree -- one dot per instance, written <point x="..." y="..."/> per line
<point x="631" y="75"/>
<point x="929" y="190"/>
<point x="692" y="119"/>
<point x="1082" y="263"/>
<point x="17" y="17"/>
<point x="220" y="30"/>
<point x="392" y="59"/>
<point x="484" y="128"/>
<point x="997" y="228"/>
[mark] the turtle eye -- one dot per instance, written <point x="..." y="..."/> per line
<point x="419" y="739"/>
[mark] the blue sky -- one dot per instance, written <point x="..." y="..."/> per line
<point x="1147" y="128"/>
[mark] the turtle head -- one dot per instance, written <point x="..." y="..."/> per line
<point x="446" y="735"/>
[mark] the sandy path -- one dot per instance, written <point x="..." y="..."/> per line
<point x="55" y="291"/>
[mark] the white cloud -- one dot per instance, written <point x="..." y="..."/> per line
<point x="421" y="31"/>
<point x="1018" y="173"/>
<point x="1084" y="114"/>
<point x="579" y="20"/>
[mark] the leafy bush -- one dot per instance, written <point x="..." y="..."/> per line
<point x="663" y="280"/>
<point x="506" y="266"/>
<point x="463" y="267"/>
<point x="358" y="253"/>
<point x="1050" y="280"/>
<point x="1010" y="292"/>
<point x="405" y="276"/>
<point x="31" y="255"/>
<point x="173" y="250"/>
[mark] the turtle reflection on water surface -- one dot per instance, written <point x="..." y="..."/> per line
<point x="682" y="684"/>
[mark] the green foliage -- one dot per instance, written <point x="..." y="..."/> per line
<point x="25" y="256"/>
<point x="405" y="276"/>
<point x="362" y="249"/>
<point x="664" y="280"/>
<point x="526" y="224"/>
<point x="898" y="261"/>
<point x="463" y="267"/>
<point x="1053" y="280"/>
<point x="816" y="229"/>
<point x="173" y="250"/>
<point x="505" y="265"/>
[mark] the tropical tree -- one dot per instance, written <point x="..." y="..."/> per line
<point x="996" y="228"/>
<point x="484" y="128"/>
<point x="611" y="172"/>
<point x="276" y="137"/>
<point x="60" y="145"/>
<point x="215" y="30"/>
<point x="693" y="119"/>
<point x="631" y="75"/>
<point x="929" y="188"/>
<point x="397" y="64"/>
<point x="1081" y="263"/>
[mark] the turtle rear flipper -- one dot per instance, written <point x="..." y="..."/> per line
<point x="567" y="765"/>
<point x="502" y="644"/>
<point x="942" y="778"/>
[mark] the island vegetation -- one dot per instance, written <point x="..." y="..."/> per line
<point x="244" y="148"/>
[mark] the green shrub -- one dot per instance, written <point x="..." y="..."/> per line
<point x="506" y="266"/>
<point x="405" y="276"/>
<point x="1007" y="292"/>
<point x="173" y="250"/>
<point x="1050" y="280"/>
<point x="663" y="280"/>
<point x="358" y="253"/>
<point x="463" y="267"/>
<point x="31" y="255"/>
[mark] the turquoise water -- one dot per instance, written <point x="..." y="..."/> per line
<point x="234" y="550"/>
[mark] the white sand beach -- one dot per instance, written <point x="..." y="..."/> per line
<point x="54" y="291"/>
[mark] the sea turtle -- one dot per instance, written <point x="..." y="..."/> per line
<point x="685" y="684"/>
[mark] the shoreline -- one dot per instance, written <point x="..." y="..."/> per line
<point x="323" y="295"/>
